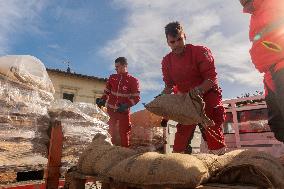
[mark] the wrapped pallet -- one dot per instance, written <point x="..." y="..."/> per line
<point x="146" y="132"/>
<point x="26" y="69"/>
<point x="80" y="123"/>
<point x="25" y="94"/>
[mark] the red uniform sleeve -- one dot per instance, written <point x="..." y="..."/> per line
<point x="107" y="90"/>
<point x="134" y="92"/>
<point x="166" y="74"/>
<point x="206" y="65"/>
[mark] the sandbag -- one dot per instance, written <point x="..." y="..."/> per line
<point x="251" y="167"/>
<point x="187" y="109"/>
<point x="154" y="169"/>
<point x="212" y="162"/>
<point x="101" y="156"/>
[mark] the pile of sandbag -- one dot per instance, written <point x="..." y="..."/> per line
<point x="123" y="165"/>
<point x="25" y="94"/>
<point x="146" y="131"/>
<point x="149" y="168"/>
<point x="80" y="123"/>
<point x="187" y="109"/>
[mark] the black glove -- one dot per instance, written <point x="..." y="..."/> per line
<point x="122" y="108"/>
<point x="100" y="102"/>
<point x="164" y="123"/>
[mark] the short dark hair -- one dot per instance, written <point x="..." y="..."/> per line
<point x="244" y="2"/>
<point x="173" y="29"/>
<point x="121" y="60"/>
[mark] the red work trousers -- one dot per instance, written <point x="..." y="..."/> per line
<point x="213" y="136"/>
<point x="119" y="128"/>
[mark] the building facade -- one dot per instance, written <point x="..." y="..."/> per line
<point x="76" y="87"/>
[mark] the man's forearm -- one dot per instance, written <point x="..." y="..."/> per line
<point x="206" y="85"/>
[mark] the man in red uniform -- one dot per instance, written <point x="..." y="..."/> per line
<point x="267" y="54"/>
<point x="190" y="68"/>
<point x="121" y="93"/>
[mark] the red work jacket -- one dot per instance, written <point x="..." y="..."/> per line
<point x="189" y="70"/>
<point x="121" y="89"/>
<point x="267" y="34"/>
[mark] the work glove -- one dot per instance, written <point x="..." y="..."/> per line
<point x="100" y="102"/>
<point x="164" y="123"/>
<point x="122" y="108"/>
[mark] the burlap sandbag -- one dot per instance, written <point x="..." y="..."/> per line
<point x="251" y="167"/>
<point x="101" y="156"/>
<point x="186" y="108"/>
<point x="154" y="169"/>
<point x="212" y="162"/>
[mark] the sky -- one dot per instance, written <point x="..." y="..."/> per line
<point x="91" y="34"/>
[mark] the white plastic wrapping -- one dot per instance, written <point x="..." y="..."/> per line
<point x="92" y="110"/>
<point x="26" y="69"/>
<point x="22" y="148"/>
<point x="78" y="111"/>
<point x="23" y="143"/>
<point x="25" y="93"/>
<point x="15" y="155"/>
<point x="18" y="98"/>
<point x="80" y="123"/>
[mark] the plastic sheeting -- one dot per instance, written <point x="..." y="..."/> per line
<point x="92" y="110"/>
<point x="25" y="93"/>
<point x="85" y="112"/>
<point x="26" y="69"/>
<point x="80" y="124"/>
<point x="19" y="98"/>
